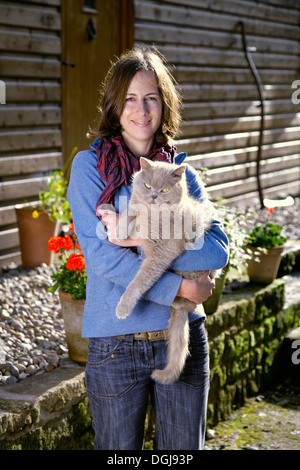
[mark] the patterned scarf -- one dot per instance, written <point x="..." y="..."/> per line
<point x="116" y="164"/>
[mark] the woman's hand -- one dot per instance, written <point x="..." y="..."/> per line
<point x="197" y="290"/>
<point x="110" y="221"/>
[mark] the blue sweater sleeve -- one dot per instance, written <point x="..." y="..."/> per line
<point x="104" y="259"/>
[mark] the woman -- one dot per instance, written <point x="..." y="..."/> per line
<point x="139" y="116"/>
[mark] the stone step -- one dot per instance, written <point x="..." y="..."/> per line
<point x="46" y="412"/>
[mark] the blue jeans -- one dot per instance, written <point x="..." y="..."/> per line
<point x="118" y="382"/>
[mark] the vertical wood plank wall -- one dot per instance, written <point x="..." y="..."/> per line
<point x="202" y="39"/>
<point x="30" y="122"/>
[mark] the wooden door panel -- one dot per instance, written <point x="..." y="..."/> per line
<point x="85" y="60"/>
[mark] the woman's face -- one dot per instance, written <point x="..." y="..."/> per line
<point x="142" y="113"/>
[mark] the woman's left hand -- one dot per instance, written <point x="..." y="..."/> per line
<point x="197" y="290"/>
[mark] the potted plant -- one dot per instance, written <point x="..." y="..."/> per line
<point x="40" y="221"/>
<point x="37" y="222"/>
<point x="266" y="243"/>
<point x="70" y="281"/>
<point x="235" y="226"/>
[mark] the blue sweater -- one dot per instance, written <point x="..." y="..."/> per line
<point x="110" y="268"/>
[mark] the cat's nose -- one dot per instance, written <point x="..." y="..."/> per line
<point x="154" y="196"/>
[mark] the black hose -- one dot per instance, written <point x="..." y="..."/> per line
<point x="262" y="110"/>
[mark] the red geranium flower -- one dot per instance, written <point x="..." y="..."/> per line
<point x="53" y="244"/>
<point x="69" y="245"/>
<point x="71" y="276"/>
<point x="59" y="244"/>
<point x="75" y="262"/>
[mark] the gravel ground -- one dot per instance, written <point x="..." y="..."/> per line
<point x="32" y="337"/>
<point x="287" y="217"/>
<point x="266" y="422"/>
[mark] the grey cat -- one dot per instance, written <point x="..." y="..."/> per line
<point x="167" y="221"/>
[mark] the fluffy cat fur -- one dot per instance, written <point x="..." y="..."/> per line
<point x="156" y="188"/>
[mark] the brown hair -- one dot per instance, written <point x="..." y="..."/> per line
<point x="115" y="86"/>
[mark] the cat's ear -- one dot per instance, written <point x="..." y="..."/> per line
<point x="145" y="163"/>
<point x="178" y="172"/>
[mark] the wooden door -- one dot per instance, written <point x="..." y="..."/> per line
<point x="94" y="32"/>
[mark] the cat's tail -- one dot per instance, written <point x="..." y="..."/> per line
<point x="178" y="347"/>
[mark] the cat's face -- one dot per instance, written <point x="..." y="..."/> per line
<point x="159" y="182"/>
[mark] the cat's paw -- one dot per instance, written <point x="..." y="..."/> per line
<point x="123" y="310"/>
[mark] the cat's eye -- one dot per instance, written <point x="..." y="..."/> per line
<point x="147" y="185"/>
<point x="165" y="190"/>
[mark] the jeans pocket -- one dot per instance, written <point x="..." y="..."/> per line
<point x="196" y="371"/>
<point x="110" y="370"/>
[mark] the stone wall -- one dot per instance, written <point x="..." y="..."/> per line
<point x="50" y="411"/>
<point x="245" y="335"/>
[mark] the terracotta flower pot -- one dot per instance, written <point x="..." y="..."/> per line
<point x="34" y="235"/>
<point x="265" y="271"/>
<point x="72" y="313"/>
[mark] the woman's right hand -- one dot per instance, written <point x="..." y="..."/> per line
<point x="110" y="221"/>
<point x="197" y="290"/>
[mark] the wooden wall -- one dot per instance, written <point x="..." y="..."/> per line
<point x="202" y="39"/>
<point x="30" y="122"/>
